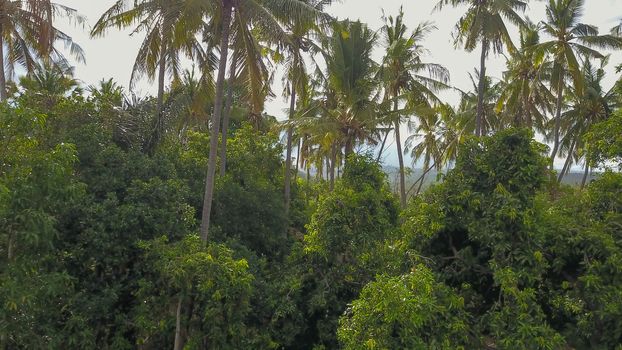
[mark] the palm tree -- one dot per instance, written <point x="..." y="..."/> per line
<point x="170" y="27"/>
<point x="51" y="81"/>
<point x="296" y="77"/>
<point x="403" y="74"/>
<point x="28" y="34"/>
<point x="483" y="23"/>
<point x="525" y="96"/>
<point x="491" y="119"/>
<point x="588" y="106"/>
<point x="188" y="103"/>
<point x="569" y="38"/>
<point x="350" y="80"/>
<point x="435" y="138"/>
<point x="268" y="16"/>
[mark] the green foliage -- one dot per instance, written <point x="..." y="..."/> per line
<point x="480" y="229"/>
<point x="35" y="184"/>
<point x="212" y="287"/>
<point x="411" y="311"/>
<point x="583" y="244"/>
<point x="342" y="247"/>
<point x="248" y="201"/>
<point x="604" y="141"/>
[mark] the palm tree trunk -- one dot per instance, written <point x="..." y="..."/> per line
<point x="421" y="177"/>
<point x="288" y="156"/>
<point x="161" y="78"/>
<point x="225" y="121"/>
<point x="349" y="147"/>
<point x="558" y="120"/>
<point x="585" y="174"/>
<point x="400" y="158"/>
<point x="213" y="151"/>
<point x="333" y="160"/>
<point x="522" y="119"/>
<point x="567" y="163"/>
<point x="384" y="141"/>
<point x="179" y="343"/>
<point x="10" y="246"/>
<point x="297" y="158"/>
<point x="3" y="94"/>
<point x="421" y="183"/>
<point x="480" y="89"/>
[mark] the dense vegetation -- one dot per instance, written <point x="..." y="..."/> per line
<point x="112" y="236"/>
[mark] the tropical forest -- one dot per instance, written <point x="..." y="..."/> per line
<point x="292" y="174"/>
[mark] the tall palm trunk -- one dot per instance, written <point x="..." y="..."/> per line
<point x="585" y="174"/>
<point x="480" y="89"/>
<point x="349" y="147"/>
<point x="213" y="150"/>
<point x="567" y="163"/>
<point x="160" y="103"/>
<point x="297" y="159"/>
<point x="225" y="121"/>
<point x="400" y="158"/>
<point x="179" y="343"/>
<point x="2" y="74"/>
<point x="288" y="156"/>
<point x="558" y="120"/>
<point x="333" y="160"/>
<point x="9" y="249"/>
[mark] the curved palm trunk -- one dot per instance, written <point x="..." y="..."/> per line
<point x="288" y="156"/>
<point x="3" y="94"/>
<point x="558" y="120"/>
<point x="480" y="89"/>
<point x="421" y="178"/>
<point x="567" y="163"/>
<point x="384" y="141"/>
<point x="213" y="150"/>
<point x="421" y="183"/>
<point x="225" y="122"/>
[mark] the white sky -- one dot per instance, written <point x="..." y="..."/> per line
<point x="113" y="55"/>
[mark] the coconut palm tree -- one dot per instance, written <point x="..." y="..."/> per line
<point x="588" y="106"/>
<point x="188" y="103"/>
<point x="350" y="71"/>
<point x="296" y="79"/>
<point x="570" y="38"/>
<point x="525" y="96"/>
<point x="170" y="28"/>
<point x="407" y="79"/>
<point x="483" y="24"/>
<point x="435" y="137"/>
<point x="28" y="35"/>
<point x="268" y="16"/>
<point x="491" y="119"/>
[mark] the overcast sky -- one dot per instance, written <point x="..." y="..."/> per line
<point x="113" y="55"/>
